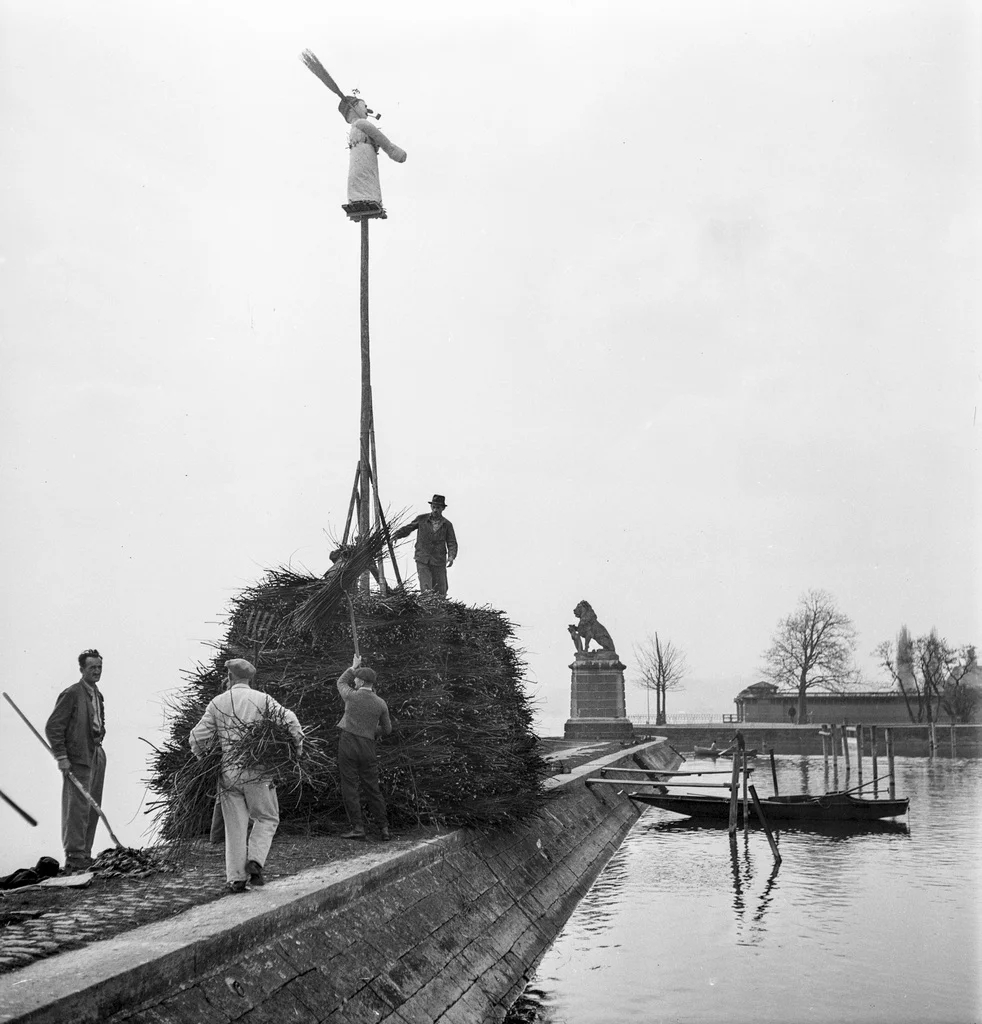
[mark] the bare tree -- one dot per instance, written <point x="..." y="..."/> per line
<point x="931" y="674"/>
<point x="813" y="647"/>
<point x="662" y="666"/>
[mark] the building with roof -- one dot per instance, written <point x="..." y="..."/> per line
<point x="765" y="702"/>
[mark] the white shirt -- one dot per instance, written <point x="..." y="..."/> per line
<point x="231" y="712"/>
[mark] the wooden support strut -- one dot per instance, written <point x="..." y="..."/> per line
<point x="767" y="828"/>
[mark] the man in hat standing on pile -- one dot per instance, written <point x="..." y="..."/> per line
<point x="245" y="793"/>
<point x="75" y="731"/>
<point x="366" y="716"/>
<point x="436" y="546"/>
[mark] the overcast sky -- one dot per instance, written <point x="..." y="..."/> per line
<point x="676" y="303"/>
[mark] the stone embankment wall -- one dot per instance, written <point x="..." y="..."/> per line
<point x="908" y="740"/>
<point x="448" y="931"/>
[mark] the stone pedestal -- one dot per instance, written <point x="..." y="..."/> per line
<point x="597" y="709"/>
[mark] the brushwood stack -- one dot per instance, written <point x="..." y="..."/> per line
<point x="462" y="750"/>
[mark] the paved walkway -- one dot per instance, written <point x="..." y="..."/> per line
<point x="63" y="918"/>
<point x="37" y="922"/>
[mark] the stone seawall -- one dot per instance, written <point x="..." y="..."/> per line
<point x="908" y="740"/>
<point x="448" y="931"/>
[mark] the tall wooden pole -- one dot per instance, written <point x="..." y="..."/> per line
<point x="364" y="505"/>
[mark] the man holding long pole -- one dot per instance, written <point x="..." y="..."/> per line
<point x="75" y="731"/>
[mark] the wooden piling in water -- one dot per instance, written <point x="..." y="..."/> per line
<point x="834" y="742"/>
<point x="746" y="804"/>
<point x="734" y="792"/>
<point x="845" y="748"/>
<point x="953" y="739"/>
<point x="888" y="737"/>
<point x="859" y="753"/>
<point x="874" y="752"/>
<point x="774" y="768"/>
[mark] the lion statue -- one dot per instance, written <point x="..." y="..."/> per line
<point x="589" y="629"/>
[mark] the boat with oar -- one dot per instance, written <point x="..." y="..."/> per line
<point x="830" y="807"/>
<point x="715" y="751"/>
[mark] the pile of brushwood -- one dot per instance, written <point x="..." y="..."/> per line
<point x="462" y="750"/>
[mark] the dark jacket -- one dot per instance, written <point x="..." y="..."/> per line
<point x="432" y="546"/>
<point x="70" y="729"/>
<point x="365" y="713"/>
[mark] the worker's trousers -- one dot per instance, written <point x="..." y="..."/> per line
<point x="432" y="577"/>
<point x="357" y="764"/>
<point x="78" y="818"/>
<point x="241" y="802"/>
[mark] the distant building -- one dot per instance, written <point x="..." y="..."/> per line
<point x="765" y="702"/>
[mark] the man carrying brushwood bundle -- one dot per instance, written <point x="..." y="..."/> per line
<point x="241" y="717"/>
<point x="75" y="730"/>
<point x="436" y="546"/>
<point x="366" y="716"/>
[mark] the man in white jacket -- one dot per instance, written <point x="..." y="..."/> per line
<point x="245" y="794"/>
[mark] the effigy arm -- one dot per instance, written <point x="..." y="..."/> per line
<point x="380" y="140"/>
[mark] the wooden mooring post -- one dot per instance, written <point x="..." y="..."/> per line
<point x="888" y="738"/>
<point x="845" y="748"/>
<point x="874" y="752"/>
<point x="953" y="754"/>
<point x="825" y="732"/>
<point x="834" y="743"/>
<point x="734" y="792"/>
<point x="774" y="770"/>
<point x="859" y="753"/>
<point x="746" y="802"/>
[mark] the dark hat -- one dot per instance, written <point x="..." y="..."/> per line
<point x="438" y="499"/>
<point x="366" y="675"/>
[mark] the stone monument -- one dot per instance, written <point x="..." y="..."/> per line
<point x="597" y="709"/>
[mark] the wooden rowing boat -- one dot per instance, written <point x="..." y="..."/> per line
<point x="800" y="807"/>
<point x="715" y="752"/>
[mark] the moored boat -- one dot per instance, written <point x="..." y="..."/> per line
<point x="799" y="807"/>
<point x="715" y="752"/>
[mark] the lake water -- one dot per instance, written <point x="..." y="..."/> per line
<point x="862" y="924"/>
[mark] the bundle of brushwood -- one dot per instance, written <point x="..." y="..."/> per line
<point x="462" y="750"/>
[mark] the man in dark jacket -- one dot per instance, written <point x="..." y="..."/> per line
<point x="366" y="716"/>
<point x="75" y="732"/>
<point x="436" y="546"/>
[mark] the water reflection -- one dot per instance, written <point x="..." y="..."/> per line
<point x="836" y="831"/>
<point x="688" y="924"/>
<point x="604" y="896"/>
